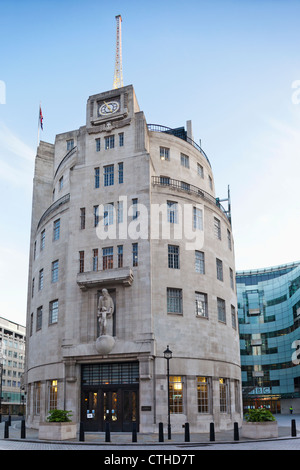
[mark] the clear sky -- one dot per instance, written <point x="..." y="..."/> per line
<point x="229" y="66"/>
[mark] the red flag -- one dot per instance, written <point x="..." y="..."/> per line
<point x="41" y="118"/>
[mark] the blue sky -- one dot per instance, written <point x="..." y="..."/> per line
<point x="229" y="66"/>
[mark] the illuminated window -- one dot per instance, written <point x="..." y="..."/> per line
<point x="53" y="395"/>
<point x="223" y="395"/>
<point x="176" y="394"/>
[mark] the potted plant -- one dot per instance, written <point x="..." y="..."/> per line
<point x="58" y="426"/>
<point x="260" y="424"/>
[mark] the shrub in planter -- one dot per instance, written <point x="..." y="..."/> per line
<point x="259" y="415"/>
<point x="58" y="426"/>
<point x="260" y="424"/>
<point x="59" y="416"/>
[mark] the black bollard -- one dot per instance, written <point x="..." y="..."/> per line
<point x="107" y="432"/>
<point x="0" y="418"/>
<point x="160" y="432"/>
<point x="212" y="432"/>
<point x="6" y="430"/>
<point x="187" y="432"/>
<point x="134" y="434"/>
<point x="23" y="429"/>
<point x="9" y="420"/>
<point x="81" y="432"/>
<point x="294" y="430"/>
<point x="236" y="431"/>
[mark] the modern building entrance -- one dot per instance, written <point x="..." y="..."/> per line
<point x="110" y="394"/>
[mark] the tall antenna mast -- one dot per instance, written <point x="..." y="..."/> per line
<point x="118" y="77"/>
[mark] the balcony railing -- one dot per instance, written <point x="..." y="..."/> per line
<point x="180" y="133"/>
<point x="189" y="188"/>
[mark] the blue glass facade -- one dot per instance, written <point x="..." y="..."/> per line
<point x="269" y="324"/>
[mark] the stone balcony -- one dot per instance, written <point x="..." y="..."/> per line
<point x="106" y="278"/>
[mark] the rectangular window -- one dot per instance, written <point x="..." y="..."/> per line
<point x="82" y="218"/>
<point x="41" y="279"/>
<point x="53" y="312"/>
<point x="199" y="262"/>
<point x="173" y="256"/>
<point x="39" y="318"/>
<point x="96" y="216"/>
<point x="108" y="215"/>
<point x="109" y="142"/>
<point x="97" y="177"/>
<point x="164" y="153"/>
<point x="233" y="317"/>
<point x="210" y="182"/>
<point x="120" y="171"/>
<point x="184" y="160"/>
<point x="200" y="170"/>
<point x="231" y="278"/>
<point x="108" y="258"/>
<point x="219" y="265"/>
<point x="121" y="139"/>
<point x="54" y="271"/>
<point x="223" y="395"/>
<point x="43" y="234"/>
<point x="32" y="288"/>
<point x="217" y="228"/>
<point x="52" y="395"/>
<point x="203" y="394"/>
<point x="81" y="261"/>
<point x="70" y="144"/>
<point x="135" y="254"/>
<point x="135" y="213"/>
<point x="120" y="256"/>
<point x="95" y="259"/>
<point x="176" y="394"/>
<point x="201" y="307"/>
<point x="174" y="300"/>
<point x="98" y="145"/>
<point x="221" y="310"/>
<point x="172" y="212"/>
<point x="109" y="175"/>
<point x="120" y="212"/>
<point x="229" y="239"/>
<point x="185" y="186"/>
<point x="197" y="218"/>
<point x="56" y="229"/>
<point x="61" y="183"/>
<point x="37" y="398"/>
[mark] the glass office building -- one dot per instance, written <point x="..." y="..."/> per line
<point x="269" y="323"/>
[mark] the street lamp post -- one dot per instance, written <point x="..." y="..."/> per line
<point x="168" y="356"/>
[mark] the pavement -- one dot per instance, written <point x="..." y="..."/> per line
<point x="224" y="440"/>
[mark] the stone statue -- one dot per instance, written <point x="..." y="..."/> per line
<point x="105" y="310"/>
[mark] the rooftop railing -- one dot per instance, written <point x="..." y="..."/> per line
<point x="180" y="133"/>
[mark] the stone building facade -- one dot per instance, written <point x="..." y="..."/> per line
<point x="130" y="208"/>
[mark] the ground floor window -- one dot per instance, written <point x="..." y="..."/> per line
<point x="53" y="395"/>
<point x="203" y="394"/>
<point x="176" y="394"/>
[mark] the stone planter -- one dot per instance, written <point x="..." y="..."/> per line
<point x="57" y="431"/>
<point x="261" y="430"/>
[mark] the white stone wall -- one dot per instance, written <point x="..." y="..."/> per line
<point x="143" y="327"/>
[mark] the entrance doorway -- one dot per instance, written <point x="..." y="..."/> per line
<point x="116" y="406"/>
<point x="110" y="394"/>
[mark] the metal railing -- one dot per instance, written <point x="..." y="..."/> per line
<point x="188" y="188"/>
<point x="54" y="206"/>
<point x="169" y="130"/>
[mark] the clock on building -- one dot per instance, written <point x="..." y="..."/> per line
<point x="105" y="108"/>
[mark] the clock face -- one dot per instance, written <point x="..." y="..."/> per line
<point x="108" y="107"/>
